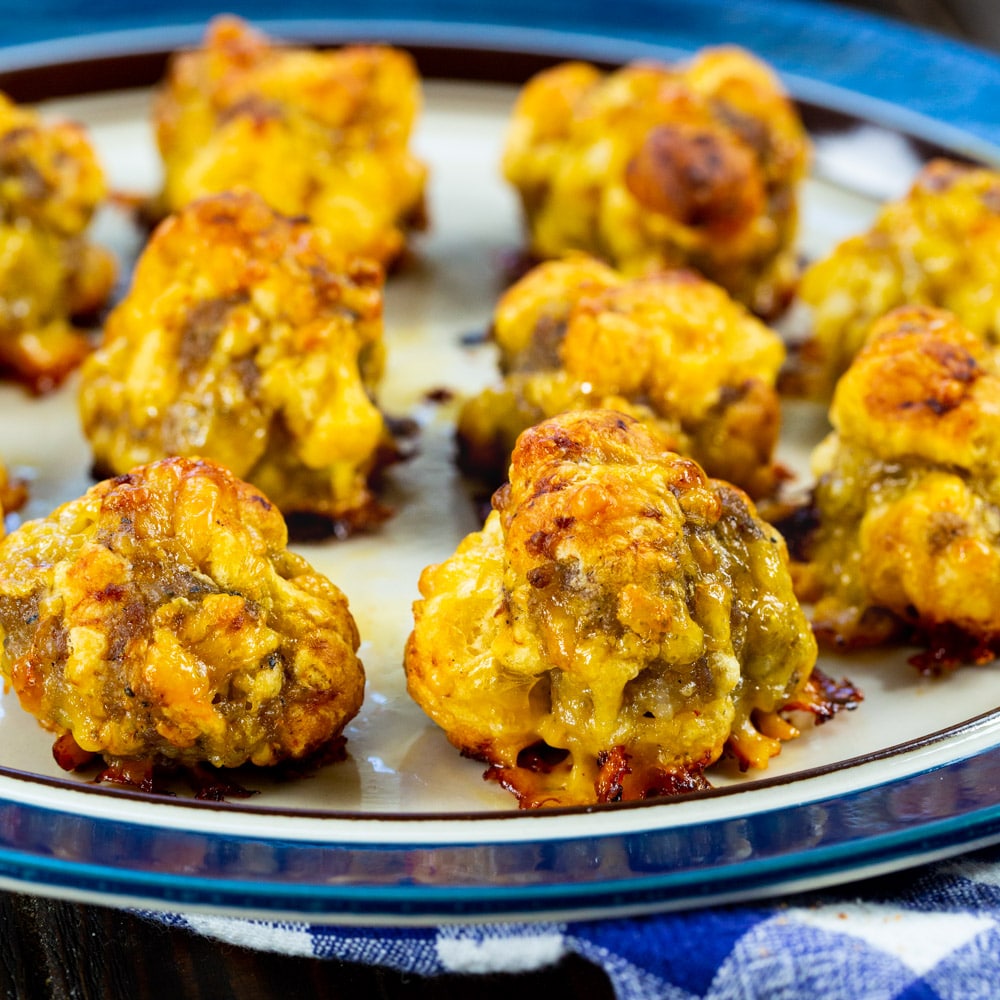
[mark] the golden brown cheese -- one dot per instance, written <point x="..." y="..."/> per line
<point x="50" y="186"/>
<point x="656" y="166"/>
<point x="938" y="246"/>
<point x="618" y="622"/>
<point x="13" y="493"/>
<point x="247" y="338"/>
<point x="322" y="134"/>
<point x="669" y="348"/>
<point x="160" y="617"/>
<point x="907" y="491"/>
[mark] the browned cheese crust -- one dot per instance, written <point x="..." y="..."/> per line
<point x="669" y="348"/>
<point x="13" y="493"/>
<point x="939" y="246"/>
<point x="322" y="134"/>
<point x="618" y="622"/>
<point x="655" y="166"/>
<point x="160" y="617"/>
<point x="907" y="495"/>
<point x="247" y="338"/>
<point x="50" y="186"/>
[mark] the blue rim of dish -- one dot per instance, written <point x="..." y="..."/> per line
<point x="929" y="816"/>
<point x="882" y="70"/>
<point x="874" y="70"/>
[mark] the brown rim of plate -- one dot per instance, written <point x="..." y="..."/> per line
<point x="491" y="815"/>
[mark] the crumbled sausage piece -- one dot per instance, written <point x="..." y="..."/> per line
<point x="654" y="166"/>
<point x="670" y="348"/>
<point x="251" y="339"/>
<point x="50" y="186"/>
<point x="938" y="247"/>
<point x="161" y="618"/>
<point x="620" y="620"/>
<point x="904" y="526"/>
<point x="323" y="134"/>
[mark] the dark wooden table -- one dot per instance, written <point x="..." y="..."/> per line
<point x="50" y="948"/>
<point x="57" y="949"/>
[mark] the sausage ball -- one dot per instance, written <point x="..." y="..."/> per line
<point x="160" y="617"/>
<point x="620" y="620"/>
<point x="669" y="348"/>
<point x="322" y="134"/>
<point x="939" y="246"/>
<point x="50" y="186"/>
<point x="13" y="493"/>
<point x="656" y="166"/>
<point x="905" y="541"/>
<point x="247" y="338"/>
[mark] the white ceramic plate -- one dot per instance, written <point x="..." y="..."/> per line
<point x="405" y="829"/>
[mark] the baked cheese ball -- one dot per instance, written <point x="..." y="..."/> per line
<point x="248" y="338"/>
<point x="938" y="246"/>
<point x="160" y="619"/>
<point x="618" y="623"/>
<point x="50" y="186"/>
<point x="906" y="543"/>
<point x="669" y="348"/>
<point x="655" y="166"/>
<point x="13" y="493"/>
<point x="321" y="134"/>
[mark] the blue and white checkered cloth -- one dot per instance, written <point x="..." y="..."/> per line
<point x="931" y="933"/>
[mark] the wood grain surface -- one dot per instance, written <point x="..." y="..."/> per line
<point x="50" y="948"/>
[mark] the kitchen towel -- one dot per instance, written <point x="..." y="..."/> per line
<point x="922" y="934"/>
